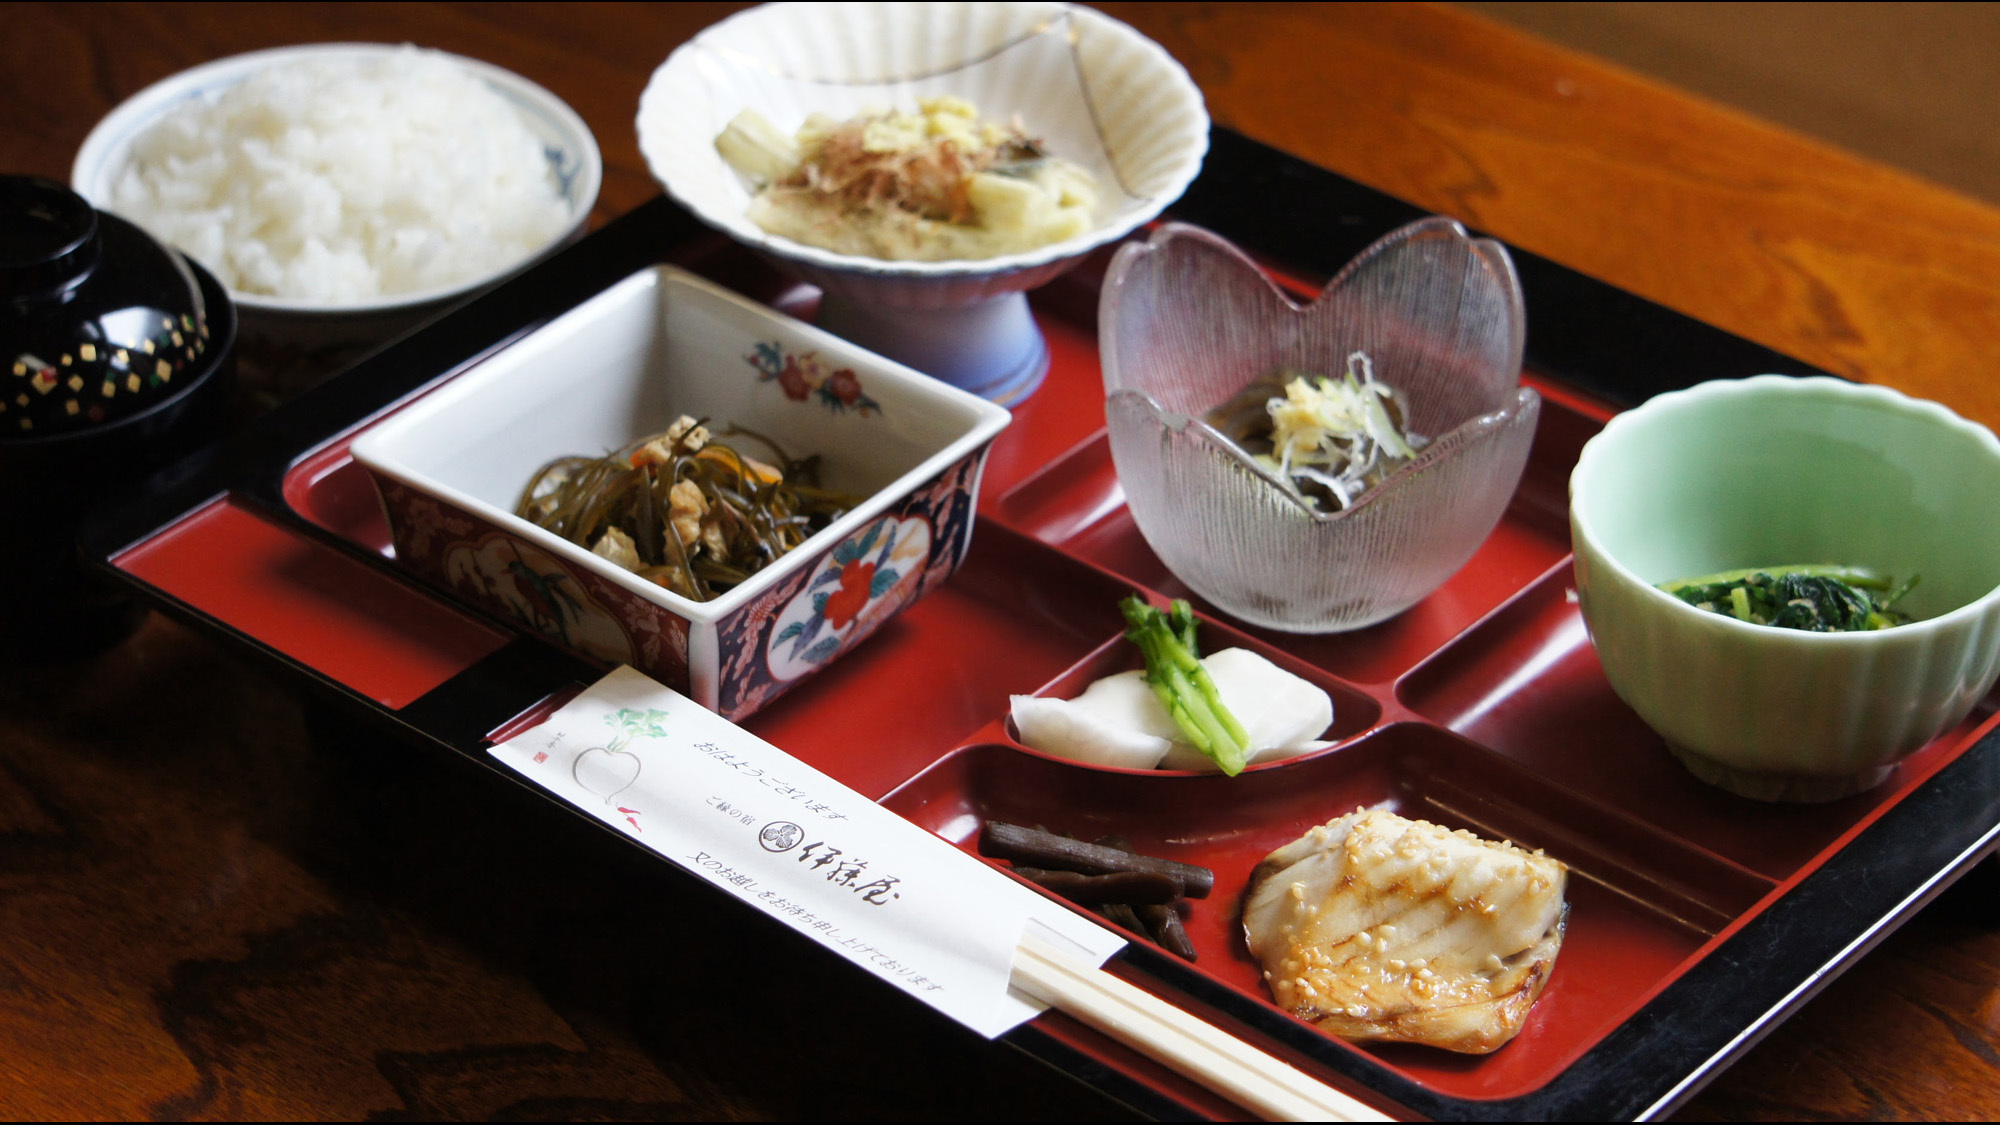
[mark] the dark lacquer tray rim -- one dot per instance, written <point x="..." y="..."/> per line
<point x="1601" y="340"/>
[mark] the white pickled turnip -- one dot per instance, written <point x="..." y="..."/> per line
<point x="1277" y="708"/>
<point x="1119" y="721"/>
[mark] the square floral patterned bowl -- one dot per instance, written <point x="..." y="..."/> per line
<point x="660" y="344"/>
<point x="1187" y="322"/>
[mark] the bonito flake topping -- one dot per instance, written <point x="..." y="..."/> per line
<point x="938" y="184"/>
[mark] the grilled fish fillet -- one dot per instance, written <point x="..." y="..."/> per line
<point x="1377" y="927"/>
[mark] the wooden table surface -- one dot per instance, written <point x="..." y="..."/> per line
<point x="203" y="916"/>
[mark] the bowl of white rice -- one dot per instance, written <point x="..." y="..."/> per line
<point x="345" y="193"/>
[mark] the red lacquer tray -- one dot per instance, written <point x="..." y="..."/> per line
<point x="1697" y="918"/>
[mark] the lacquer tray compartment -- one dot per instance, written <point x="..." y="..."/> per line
<point x="1705" y="923"/>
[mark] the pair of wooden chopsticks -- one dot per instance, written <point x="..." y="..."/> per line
<point x="1146" y="1023"/>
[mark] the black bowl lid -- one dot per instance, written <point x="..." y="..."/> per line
<point x="98" y="321"/>
<point x="48" y="237"/>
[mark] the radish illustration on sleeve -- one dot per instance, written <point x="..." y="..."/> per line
<point x="609" y="770"/>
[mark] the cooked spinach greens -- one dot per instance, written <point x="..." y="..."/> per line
<point x="1816" y="598"/>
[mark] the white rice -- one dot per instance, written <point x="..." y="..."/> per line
<point x="346" y="179"/>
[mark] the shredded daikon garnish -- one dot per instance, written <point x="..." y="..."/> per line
<point x="1343" y="435"/>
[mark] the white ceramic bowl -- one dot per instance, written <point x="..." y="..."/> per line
<point x="625" y="364"/>
<point x="1102" y="95"/>
<point x="278" y="331"/>
<point x="1773" y="471"/>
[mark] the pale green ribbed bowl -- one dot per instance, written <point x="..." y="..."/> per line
<point x="1774" y="470"/>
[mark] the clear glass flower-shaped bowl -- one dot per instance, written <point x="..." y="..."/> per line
<point x="1187" y="321"/>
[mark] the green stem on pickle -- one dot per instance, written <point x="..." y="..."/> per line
<point x="1174" y="672"/>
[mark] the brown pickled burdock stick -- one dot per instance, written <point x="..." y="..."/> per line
<point x="1048" y="850"/>
<point x="1164" y="923"/>
<point x="1123" y="915"/>
<point x="1162" y="920"/>
<point x="1133" y="887"/>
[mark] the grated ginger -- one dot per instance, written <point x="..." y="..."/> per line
<point x="1344" y="435"/>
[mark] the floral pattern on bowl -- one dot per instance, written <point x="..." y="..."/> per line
<point x="762" y="661"/>
<point x="851" y="588"/>
<point x="1187" y="320"/>
<point x="569" y="606"/>
<point x="624" y="364"/>
<point x="804" y="376"/>
<point x="868" y="573"/>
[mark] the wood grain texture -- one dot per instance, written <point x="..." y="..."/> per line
<point x="212" y="908"/>
<point x="218" y="908"/>
<point x="1855" y="267"/>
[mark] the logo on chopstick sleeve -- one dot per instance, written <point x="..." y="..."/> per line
<point x="608" y="770"/>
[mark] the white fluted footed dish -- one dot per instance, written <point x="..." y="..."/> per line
<point x="1187" y="320"/>
<point x="1100" y="94"/>
<point x="1772" y="471"/>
